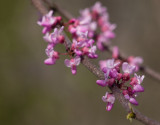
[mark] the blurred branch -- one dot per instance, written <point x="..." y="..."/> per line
<point x="40" y="6"/>
<point x="94" y="69"/>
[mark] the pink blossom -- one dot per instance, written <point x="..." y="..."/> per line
<point x="136" y="83"/>
<point x="139" y="78"/>
<point x="55" y="37"/>
<point x="47" y="22"/>
<point x="133" y="101"/>
<point x="85" y="16"/>
<point x="82" y="39"/>
<point x="98" y="8"/>
<point x="102" y="83"/>
<point x="138" y="88"/>
<point x="130" y="95"/>
<point x="108" y="68"/>
<point x="136" y="61"/>
<point x="128" y="68"/>
<point x="109" y="99"/>
<point x="91" y="52"/>
<point x="73" y="63"/>
<point x="113" y="73"/>
<point x="52" y="56"/>
<point x="109" y="72"/>
<point x="110" y="64"/>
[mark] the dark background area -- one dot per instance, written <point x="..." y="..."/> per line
<point x="32" y="93"/>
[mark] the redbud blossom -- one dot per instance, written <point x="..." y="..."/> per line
<point x="55" y="37"/>
<point x="128" y="68"/>
<point x="52" y="56"/>
<point x="109" y="99"/>
<point x="136" y="61"/>
<point x="48" y="21"/>
<point x="73" y="63"/>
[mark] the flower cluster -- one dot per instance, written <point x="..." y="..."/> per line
<point x="81" y="45"/>
<point x="88" y="32"/>
<point x="49" y="22"/>
<point x="92" y="20"/>
<point x="134" y="61"/>
<point x="113" y="76"/>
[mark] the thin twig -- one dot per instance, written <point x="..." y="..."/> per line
<point x="40" y="6"/>
<point x="97" y="72"/>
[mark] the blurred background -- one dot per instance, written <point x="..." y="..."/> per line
<point x="32" y="93"/>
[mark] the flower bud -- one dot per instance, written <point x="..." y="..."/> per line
<point x="61" y="39"/>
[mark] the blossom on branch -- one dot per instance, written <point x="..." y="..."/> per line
<point x="109" y="99"/>
<point x="88" y="32"/>
<point x="73" y="63"/>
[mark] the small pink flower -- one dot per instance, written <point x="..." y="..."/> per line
<point x="108" y="68"/>
<point x="139" y="78"/>
<point x="136" y="61"/>
<point x="138" y="88"/>
<point x="126" y="94"/>
<point x="47" y="20"/>
<point x="98" y="8"/>
<point x="110" y="64"/>
<point x="91" y="52"/>
<point x="73" y="63"/>
<point x="85" y="16"/>
<point x="102" y="83"/>
<point x="133" y="101"/>
<point x="52" y="56"/>
<point x="113" y="73"/>
<point x="128" y="68"/>
<point x="55" y="37"/>
<point x="136" y="83"/>
<point x="130" y="95"/>
<point x="108" y="82"/>
<point x="109" y="99"/>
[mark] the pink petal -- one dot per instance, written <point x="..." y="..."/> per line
<point x="109" y="107"/>
<point x="138" y="88"/>
<point x="126" y="96"/>
<point x="133" y="101"/>
<point x="74" y="70"/>
<point x="124" y="66"/>
<point x="67" y="63"/>
<point x="77" y="60"/>
<point x="104" y="98"/>
<point x="101" y="83"/>
<point x="49" y="61"/>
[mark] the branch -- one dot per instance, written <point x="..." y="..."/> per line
<point x="97" y="72"/>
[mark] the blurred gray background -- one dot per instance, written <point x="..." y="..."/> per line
<point x="32" y="93"/>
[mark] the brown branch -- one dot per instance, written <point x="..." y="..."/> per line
<point x="58" y="9"/>
<point x="97" y="72"/>
<point x="40" y="6"/>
